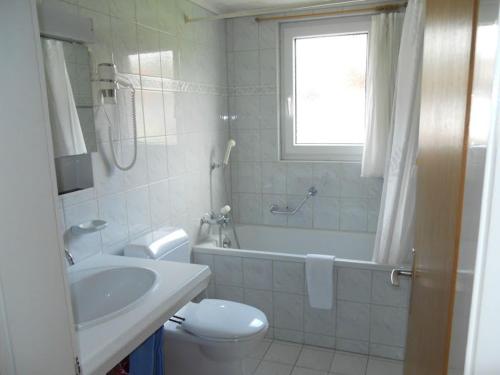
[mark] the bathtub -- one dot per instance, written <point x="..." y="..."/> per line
<point x="369" y="315"/>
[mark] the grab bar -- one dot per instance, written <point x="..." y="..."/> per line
<point x="276" y="210"/>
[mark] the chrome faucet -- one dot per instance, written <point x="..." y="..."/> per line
<point x="69" y="257"/>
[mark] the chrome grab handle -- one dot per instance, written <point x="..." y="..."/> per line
<point x="397" y="272"/>
<point x="276" y="210"/>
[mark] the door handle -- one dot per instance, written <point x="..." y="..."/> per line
<point x="396" y="273"/>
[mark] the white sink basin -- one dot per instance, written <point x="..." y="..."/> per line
<point x="98" y="294"/>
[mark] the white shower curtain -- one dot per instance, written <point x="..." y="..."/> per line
<point x="67" y="133"/>
<point x="394" y="238"/>
<point x="385" y="36"/>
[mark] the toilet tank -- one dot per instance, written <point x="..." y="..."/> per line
<point x="165" y="244"/>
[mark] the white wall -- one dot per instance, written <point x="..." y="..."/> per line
<point x="36" y="327"/>
<point x="484" y="329"/>
<point x="345" y="201"/>
<point x="480" y="124"/>
<point x="180" y="73"/>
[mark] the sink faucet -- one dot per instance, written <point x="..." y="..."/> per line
<point x="69" y="257"/>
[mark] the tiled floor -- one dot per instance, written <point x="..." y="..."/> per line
<point x="284" y="358"/>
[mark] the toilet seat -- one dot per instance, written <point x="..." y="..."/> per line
<point x="221" y="320"/>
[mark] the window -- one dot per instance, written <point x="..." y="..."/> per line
<point x="322" y="89"/>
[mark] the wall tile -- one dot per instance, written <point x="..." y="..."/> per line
<point x="299" y="178"/>
<point x="257" y="274"/>
<point x="353" y="320"/>
<point x="353" y="214"/>
<point x="319" y="340"/>
<point x="125" y="45"/>
<point x="262" y="300"/>
<point x="273" y="178"/>
<point x="81" y="246"/>
<point x="319" y="321"/>
<point x="230" y="293"/>
<point x="160" y="203"/>
<point x="267" y="217"/>
<point x="388" y="325"/>
<point x="354" y="284"/>
<point x="353" y="346"/>
<point x="303" y="218"/>
<point x="268" y="59"/>
<point x="288" y="311"/>
<point x="245" y="71"/>
<point x="384" y="293"/>
<point x="113" y="209"/>
<point x="387" y="351"/>
<point x="228" y="270"/>
<point x="288" y="277"/>
<point x="153" y="113"/>
<point x="138" y="211"/>
<point x="352" y="184"/>
<point x="249" y="208"/>
<point x="149" y="55"/>
<point x="157" y="158"/>
<point x="326" y="213"/>
<point x="246" y="177"/>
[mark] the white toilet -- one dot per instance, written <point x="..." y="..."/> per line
<point x="216" y="335"/>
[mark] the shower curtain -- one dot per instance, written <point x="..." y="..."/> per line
<point x="67" y="133"/>
<point x="385" y="36"/>
<point x="394" y="238"/>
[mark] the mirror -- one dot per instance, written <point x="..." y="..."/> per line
<point x="69" y="92"/>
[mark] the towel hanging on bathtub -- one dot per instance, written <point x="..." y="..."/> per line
<point x="67" y="132"/>
<point x="319" y="277"/>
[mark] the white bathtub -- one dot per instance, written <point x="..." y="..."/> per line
<point x="349" y="248"/>
<point x="369" y="314"/>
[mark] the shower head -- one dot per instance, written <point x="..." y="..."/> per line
<point x="230" y="144"/>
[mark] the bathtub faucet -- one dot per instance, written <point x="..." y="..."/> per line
<point x="221" y="219"/>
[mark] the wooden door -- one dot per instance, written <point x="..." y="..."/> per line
<point x="446" y="92"/>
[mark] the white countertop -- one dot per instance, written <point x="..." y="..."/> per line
<point x="103" y="345"/>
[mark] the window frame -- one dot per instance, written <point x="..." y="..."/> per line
<point x="288" y="33"/>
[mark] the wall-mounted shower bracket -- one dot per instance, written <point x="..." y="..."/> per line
<point x="276" y="210"/>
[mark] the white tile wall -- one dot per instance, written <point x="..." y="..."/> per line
<point x="345" y="201"/>
<point x="369" y="315"/>
<point x="181" y="102"/>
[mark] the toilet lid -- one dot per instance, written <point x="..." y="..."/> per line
<point x="221" y="319"/>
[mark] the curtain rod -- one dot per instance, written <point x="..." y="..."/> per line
<point x="276" y="9"/>
<point x="374" y="9"/>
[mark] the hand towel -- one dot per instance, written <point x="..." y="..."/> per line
<point x="319" y="277"/>
<point x="147" y="359"/>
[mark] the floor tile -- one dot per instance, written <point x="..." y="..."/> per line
<point x="349" y="364"/>
<point x="307" y="371"/>
<point x="280" y="352"/>
<point x="250" y="365"/>
<point x="315" y="358"/>
<point x="272" y="368"/>
<point x="261" y="349"/>
<point x="379" y="366"/>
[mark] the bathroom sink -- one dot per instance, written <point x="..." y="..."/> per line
<point x="98" y="294"/>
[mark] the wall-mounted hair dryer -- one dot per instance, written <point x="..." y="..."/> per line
<point x="109" y="82"/>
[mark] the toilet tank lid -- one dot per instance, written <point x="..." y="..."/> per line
<point x="155" y="244"/>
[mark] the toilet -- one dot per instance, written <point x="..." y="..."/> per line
<point x="215" y="335"/>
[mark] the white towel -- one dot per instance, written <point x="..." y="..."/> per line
<point x="67" y="133"/>
<point x="319" y="276"/>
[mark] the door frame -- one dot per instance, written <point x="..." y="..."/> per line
<point x="484" y="330"/>
<point x="36" y="322"/>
